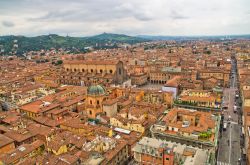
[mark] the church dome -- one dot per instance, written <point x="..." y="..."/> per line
<point x="96" y="90"/>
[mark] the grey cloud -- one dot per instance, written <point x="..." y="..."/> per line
<point x="89" y="11"/>
<point x="176" y="15"/>
<point x="8" y="23"/>
<point x="132" y="10"/>
<point x="143" y="17"/>
<point x="54" y="16"/>
<point x="75" y="16"/>
<point x="130" y="16"/>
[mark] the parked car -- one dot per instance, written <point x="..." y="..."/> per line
<point x="235" y="109"/>
<point x="224" y="108"/>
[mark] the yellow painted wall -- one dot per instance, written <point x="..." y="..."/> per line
<point x="62" y="149"/>
<point x="128" y="126"/>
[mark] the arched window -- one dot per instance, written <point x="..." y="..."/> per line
<point x="100" y="70"/>
<point x="90" y="102"/>
<point x="120" y="71"/>
<point x="67" y="69"/>
<point x="90" y="112"/>
<point x="83" y="70"/>
<point x="92" y="70"/>
<point x="98" y="102"/>
<point x="110" y="71"/>
<point x="75" y="70"/>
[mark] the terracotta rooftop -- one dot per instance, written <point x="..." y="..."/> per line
<point x="20" y="135"/>
<point x="20" y="152"/>
<point x="111" y="153"/>
<point x="4" y="140"/>
<point x="173" y="82"/>
<point x="204" y="118"/>
<point x="93" y="62"/>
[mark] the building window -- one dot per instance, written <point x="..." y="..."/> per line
<point x="98" y="102"/>
<point x="92" y="70"/>
<point x="67" y="69"/>
<point x="100" y="70"/>
<point x="83" y="70"/>
<point x="75" y="70"/>
<point x="110" y="71"/>
<point x="90" y="112"/>
<point x="167" y="158"/>
<point x="90" y="101"/>
<point x="120" y="71"/>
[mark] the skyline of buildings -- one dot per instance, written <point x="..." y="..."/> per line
<point x="135" y="82"/>
<point x="161" y="102"/>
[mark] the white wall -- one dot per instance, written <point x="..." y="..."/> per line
<point x="170" y="89"/>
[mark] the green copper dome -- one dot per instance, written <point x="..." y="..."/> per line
<point x="96" y="90"/>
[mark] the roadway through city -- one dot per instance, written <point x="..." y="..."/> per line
<point x="229" y="148"/>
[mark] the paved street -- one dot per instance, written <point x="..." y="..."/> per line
<point x="229" y="150"/>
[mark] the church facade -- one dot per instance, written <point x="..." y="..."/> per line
<point x="85" y="72"/>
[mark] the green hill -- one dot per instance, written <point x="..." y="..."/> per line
<point x="119" y="38"/>
<point x="73" y="44"/>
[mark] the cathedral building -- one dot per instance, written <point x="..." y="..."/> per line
<point x="99" y="102"/>
<point x="96" y="94"/>
<point x="79" y="72"/>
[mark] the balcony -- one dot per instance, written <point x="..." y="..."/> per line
<point x="191" y="105"/>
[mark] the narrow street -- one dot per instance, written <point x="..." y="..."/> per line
<point x="229" y="148"/>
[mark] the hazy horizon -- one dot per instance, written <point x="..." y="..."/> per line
<point x="136" y="35"/>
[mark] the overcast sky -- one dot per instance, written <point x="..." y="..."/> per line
<point x="131" y="17"/>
